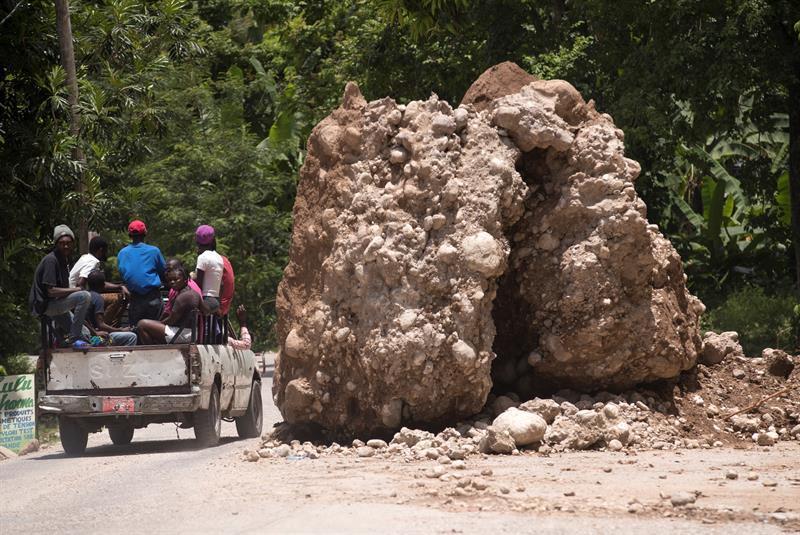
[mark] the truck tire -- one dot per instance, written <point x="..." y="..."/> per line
<point x="121" y="435"/>
<point x="73" y="436"/>
<point x="249" y="424"/>
<point x="208" y="422"/>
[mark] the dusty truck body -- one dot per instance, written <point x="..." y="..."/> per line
<point x="125" y="388"/>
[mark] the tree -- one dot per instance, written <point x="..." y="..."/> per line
<point x="64" y="28"/>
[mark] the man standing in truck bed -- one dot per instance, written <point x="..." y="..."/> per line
<point x="142" y="268"/>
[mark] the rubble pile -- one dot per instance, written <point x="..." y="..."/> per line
<point x="439" y="252"/>
<point x="693" y="413"/>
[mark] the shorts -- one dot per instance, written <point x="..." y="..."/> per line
<point x="184" y="338"/>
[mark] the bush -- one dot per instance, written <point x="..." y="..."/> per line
<point x="15" y="365"/>
<point x="760" y="319"/>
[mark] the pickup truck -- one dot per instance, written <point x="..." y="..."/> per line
<point x="125" y="388"/>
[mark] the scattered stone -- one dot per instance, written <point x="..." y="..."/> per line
<point x="717" y="347"/>
<point x="731" y="474"/>
<point x="615" y="445"/>
<point x="377" y="444"/>
<point x="497" y="441"/>
<point x="778" y="362"/>
<point x="569" y="493"/>
<point x="479" y="483"/>
<point x="680" y="499"/>
<point x="524" y="427"/>
<point x="251" y="456"/>
<point x="767" y="439"/>
<point x="435" y="472"/>
<point x="365" y="451"/>
<point x="283" y="450"/>
<point x="739" y="373"/>
<point x="769" y="483"/>
<point x="752" y="476"/>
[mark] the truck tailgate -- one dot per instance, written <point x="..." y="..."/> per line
<point x="118" y="368"/>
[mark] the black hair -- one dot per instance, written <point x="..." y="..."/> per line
<point x="97" y="243"/>
<point x="96" y="280"/>
<point x="209" y="246"/>
<point x="180" y="268"/>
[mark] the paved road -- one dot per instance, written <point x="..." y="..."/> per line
<point x="161" y="483"/>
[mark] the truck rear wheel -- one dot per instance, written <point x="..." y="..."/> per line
<point x="208" y="422"/>
<point x="121" y="435"/>
<point x="249" y="424"/>
<point x="73" y="436"/>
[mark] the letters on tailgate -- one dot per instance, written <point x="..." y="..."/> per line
<point x="117" y="369"/>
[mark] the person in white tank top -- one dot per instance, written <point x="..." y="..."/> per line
<point x="209" y="266"/>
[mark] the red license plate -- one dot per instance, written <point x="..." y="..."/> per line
<point x="119" y="405"/>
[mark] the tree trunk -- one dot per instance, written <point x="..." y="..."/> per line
<point x="64" y="29"/>
<point x="794" y="171"/>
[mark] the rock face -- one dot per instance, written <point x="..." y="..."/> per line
<point x="413" y="223"/>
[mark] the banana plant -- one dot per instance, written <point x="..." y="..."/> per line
<point x="725" y="231"/>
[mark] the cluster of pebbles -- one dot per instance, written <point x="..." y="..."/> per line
<point x="698" y="412"/>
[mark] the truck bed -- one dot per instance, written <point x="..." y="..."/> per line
<point x="120" y="370"/>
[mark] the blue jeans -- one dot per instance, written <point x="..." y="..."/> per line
<point x="59" y="310"/>
<point x="123" y="339"/>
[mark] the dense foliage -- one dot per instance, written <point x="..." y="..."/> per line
<point x="197" y="112"/>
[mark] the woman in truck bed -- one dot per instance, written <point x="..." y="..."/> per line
<point x="177" y="326"/>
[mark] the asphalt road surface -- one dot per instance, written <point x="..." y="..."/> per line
<point x="162" y="483"/>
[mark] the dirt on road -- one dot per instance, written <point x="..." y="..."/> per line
<point x="162" y="483"/>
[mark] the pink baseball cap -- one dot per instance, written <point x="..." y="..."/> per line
<point x="204" y="234"/>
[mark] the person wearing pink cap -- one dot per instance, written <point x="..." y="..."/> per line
<point x="209" y="266"/>
<point x="142" y="267"/>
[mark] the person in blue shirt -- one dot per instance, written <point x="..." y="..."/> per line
<point x="142" y="267"/>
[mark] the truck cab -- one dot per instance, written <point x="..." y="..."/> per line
<point x="126" y="388"/>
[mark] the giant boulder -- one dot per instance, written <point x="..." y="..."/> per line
<point x="421" y="230"/>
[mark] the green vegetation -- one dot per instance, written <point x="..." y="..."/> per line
<point x="760" y="319"/>
<point x="197" y="112"/>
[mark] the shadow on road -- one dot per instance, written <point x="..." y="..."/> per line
<point x="139" y="448"/>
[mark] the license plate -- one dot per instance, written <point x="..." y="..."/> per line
<point x="119" y="405"/>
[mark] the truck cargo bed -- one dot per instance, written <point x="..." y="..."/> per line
<point x="116" y="370"/>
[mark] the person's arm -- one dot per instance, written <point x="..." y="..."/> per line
<point x="54" y="292"/>
<point x="111" y="287"/>
<point x="161" y="266"/>
<point x="103" y="326"/>
<point x="199" y="278"/>
<point x="181" y="307"/>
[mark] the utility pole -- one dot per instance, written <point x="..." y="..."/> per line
<point x="64" y="30"/>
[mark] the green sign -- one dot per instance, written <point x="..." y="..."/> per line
<point x="17" y="411"/>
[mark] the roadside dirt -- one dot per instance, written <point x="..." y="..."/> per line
<point x="602" y="485"/>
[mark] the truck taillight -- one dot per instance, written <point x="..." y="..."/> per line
<point x="194" y="364"/>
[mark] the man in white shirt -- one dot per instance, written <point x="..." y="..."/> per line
<point x="209" y="266"/>
<point x="98" y="253"/>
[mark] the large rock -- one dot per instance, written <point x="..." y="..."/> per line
<point x="524" y="427"/>
<point x="400" y="223"/>
<point x="718" y="347"/>
<point x="594" y="297"/>
<point x="406" y="219"/>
